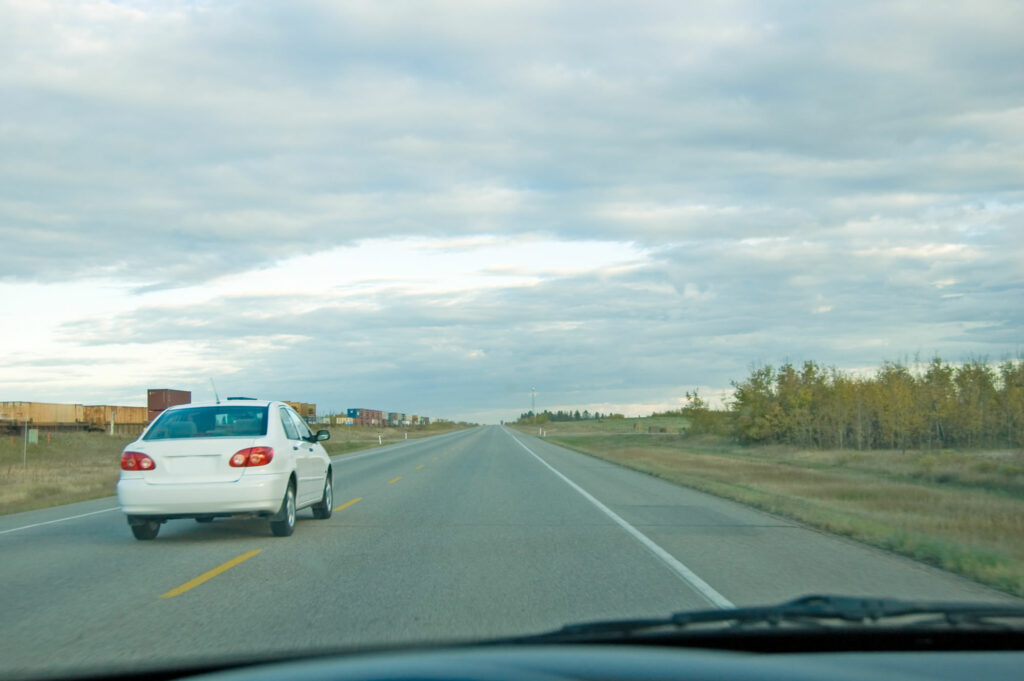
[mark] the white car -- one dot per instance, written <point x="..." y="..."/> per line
<point x="231" y="457"/>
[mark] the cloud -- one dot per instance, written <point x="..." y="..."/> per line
<point x="815" y="182"/>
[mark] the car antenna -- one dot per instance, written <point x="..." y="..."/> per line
<point x="215" y="395"/>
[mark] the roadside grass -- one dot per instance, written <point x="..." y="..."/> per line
<point x="78" y="466"/>
<point x="962" y="511"/>
<point x="69" y="467"/>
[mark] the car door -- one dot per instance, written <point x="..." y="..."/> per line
<point x="320" y="460"/>
<point x="310" y="470"/>
<point x="299" y="453"/>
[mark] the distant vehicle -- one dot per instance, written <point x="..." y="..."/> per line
<point x="217" y="459"/>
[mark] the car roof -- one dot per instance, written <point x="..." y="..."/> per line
<point x="246" y="402"/>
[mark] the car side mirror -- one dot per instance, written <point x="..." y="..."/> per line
<point x="322" y="435"/>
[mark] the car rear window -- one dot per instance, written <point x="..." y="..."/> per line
<point x="218" y="421"/>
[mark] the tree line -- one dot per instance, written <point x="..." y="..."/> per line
<point x="939" y="404"/>
<point x="563" y="415"/>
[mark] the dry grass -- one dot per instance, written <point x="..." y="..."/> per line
<point x="74" y="467"/>
<point x="963" y="511"/>
<point x="70" y="467"/>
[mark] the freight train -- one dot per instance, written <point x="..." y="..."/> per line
<point x="52" y="416"/>
<point x="15" y="415"/>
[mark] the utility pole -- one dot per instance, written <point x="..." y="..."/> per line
<point x="533" y="401"/>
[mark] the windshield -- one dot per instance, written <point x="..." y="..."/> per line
<point x="209" y="422"/>
<point x="564" y="311"/>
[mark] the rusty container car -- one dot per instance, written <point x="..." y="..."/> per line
<point x="161" y="398"/>
<point x="306" y="410"/>
<point x="42" y="413"/>
<point x="101" y="415"/>
<point x="158" y="399"/>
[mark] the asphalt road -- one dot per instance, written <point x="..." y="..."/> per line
<point x="478" y="533"/>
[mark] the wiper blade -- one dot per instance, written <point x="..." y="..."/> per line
<point x="811" y="610"/>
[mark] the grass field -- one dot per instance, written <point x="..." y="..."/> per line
<point x="69" y="467"/>
<point x="962" y="511"/>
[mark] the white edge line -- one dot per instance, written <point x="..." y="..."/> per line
<point x="59" y="520"/>
<point x="688" y="575"/>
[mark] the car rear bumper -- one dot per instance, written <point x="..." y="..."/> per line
<point x="250" y="494"/>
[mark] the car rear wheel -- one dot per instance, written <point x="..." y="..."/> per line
<point x="283" y="523"/>
<point x="322" y="509"/>
<point x="145" y="530"/>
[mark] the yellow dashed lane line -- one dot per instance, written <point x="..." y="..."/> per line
<point x="193" y="583"/>
<point x="348" y="503"/>
<point x="391" y="482"/>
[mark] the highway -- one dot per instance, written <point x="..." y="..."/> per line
<point x="479" y="533"/>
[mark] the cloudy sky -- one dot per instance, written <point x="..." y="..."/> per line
<point x="434" y="207"/>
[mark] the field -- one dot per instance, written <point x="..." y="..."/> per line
<point x="959" y="510"/>
<point x="68" y="467"/>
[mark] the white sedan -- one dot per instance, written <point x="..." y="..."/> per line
<point x="231" y="457"/>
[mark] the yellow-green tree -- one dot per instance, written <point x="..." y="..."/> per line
<point x="976" y="416"/>
<point x="899" y="418"/>
<point x="938" y="399"/>
<point x="754" y="406"/>
<point x="1011" y="401"/>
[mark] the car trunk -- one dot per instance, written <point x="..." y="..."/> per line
<point x="194" y="460"/>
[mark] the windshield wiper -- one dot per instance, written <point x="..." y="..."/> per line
<point x="815" y="611"/>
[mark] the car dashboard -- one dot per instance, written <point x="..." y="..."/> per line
<point x="628" y="663"/>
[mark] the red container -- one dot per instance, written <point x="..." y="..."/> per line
<point x="160" y="398"/>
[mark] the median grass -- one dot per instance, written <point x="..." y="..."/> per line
<point x="962" y="511"/>
<point x="66" y="467"/>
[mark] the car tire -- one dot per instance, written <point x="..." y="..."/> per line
<point x="286" y="525"/>
<point x="322" y="509"/>
<point x="146" y="530"/>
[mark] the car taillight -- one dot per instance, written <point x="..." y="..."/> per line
<point x="136" y="461"/>
<point x="252" y="456"/>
